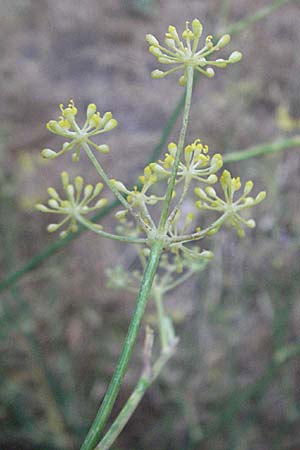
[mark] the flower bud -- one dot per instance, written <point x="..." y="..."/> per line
<point x="52" y="227"/>
<point x="91" y="110"/>
<point x="75" y="157"/>
<point x="170" y="43"/>
<point x="200" y="193"/>
<point x="207" y="254"/>
<point x="119" y="186"/>
<point x="98" y="188"/>
<point x="100" y="203"/>
<point x="121" y="214"/>
<point x="64" y="179"/>
<point x="212" y="179"/>
<point x="157" y="74"/>
<point x="52" y="192"/>
<point x="260" y="197"/>
<point x="110" y="125"/>
<point x="210" y="72"/>
<point x="79" y="183"/>
<point x="235" y="57"/>
<point x="47" y="153"/>
<point x="216" y="162"/>
<point x="210" y="191"/>
<point x="151" y="39"/>
<point x="248" y="187"/>
<point x="88" y="190"/>
<point x="70" y="190"/>
<point x="223" y="41"/>
<point x="104" y="148"/>
<point x="107" y="116"/>
<point x="155" y="51"/>
<point x="197" y="28"/>
<point x="251" y="223"/>
<point x="182" y="80"/>
<point x="53" y="203"/>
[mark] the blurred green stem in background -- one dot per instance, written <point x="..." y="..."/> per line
<point x="241" y="25"/>
<point x="11" y="308"/>
<point x="240" y="155"/>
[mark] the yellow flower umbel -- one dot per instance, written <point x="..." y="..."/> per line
<point x="67" y="127"/>
<point x="209" y="200"/>
<point x="77" y="203"/>
<point x="184" y="53"/>
<point x="196" y="164"/>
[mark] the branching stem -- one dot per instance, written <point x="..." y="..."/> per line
<point x="111" y="186"/>
<point x="172" y="180"/>
<point x="156" y="246"/>
<point x="93" y="227"/>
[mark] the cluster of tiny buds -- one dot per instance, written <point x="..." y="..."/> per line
<point x="77" y="137"/>
<point x="76" y="204"/>
<point x="231" y="208"/>
<point x="184" y="52"/>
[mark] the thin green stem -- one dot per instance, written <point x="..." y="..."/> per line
<point x="91" y="226"/>
<point x="179" y="281"/>
<point x="243" y="24"/>
<point x="260" y="150"/>
<point x="149" y="273"/>
<point x="199" y="234"/>
<point x="187" y="182"/>
<point x="143" y="384"/>
<point x="115" y="384"/>
<point x="185" y="121"/>
<point x="111" y="186"/>
<point x="161" y="319"/>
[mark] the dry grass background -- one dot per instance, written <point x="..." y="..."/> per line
<point x="233" y="383"/>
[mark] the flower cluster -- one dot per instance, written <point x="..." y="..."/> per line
<point x="77" y="137"/>
<point x="76" y="204"/>
<point x="184" y="52"/>
<point x="209" y="200"/>
<point x="197" y="164"/>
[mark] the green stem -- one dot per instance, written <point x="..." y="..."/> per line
<point x="115" y="384"/>
<point x="91" y="226"/>
<point x="263" y="149"/>
<point x="243" y="24"/>
<point x="185" y="189"/>
<point x="161" y="319"/>
<point x="143" y="384"/>
<point x="199" y="234"/>
<point x="111" y="186"/>
<point x="149" y="273"/>
<point x="185" y="121"/>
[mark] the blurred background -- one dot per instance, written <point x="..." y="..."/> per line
<point x="234" y="382"/>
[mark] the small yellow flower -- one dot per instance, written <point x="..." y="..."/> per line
<point x="209" y="200"/>
<point x="184" y="52"/>
<point x="68" y="128"/>
<point x="77" y="203"/>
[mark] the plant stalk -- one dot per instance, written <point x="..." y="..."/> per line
<point x="103" y="414"/>
<point x="185" y="121"/>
